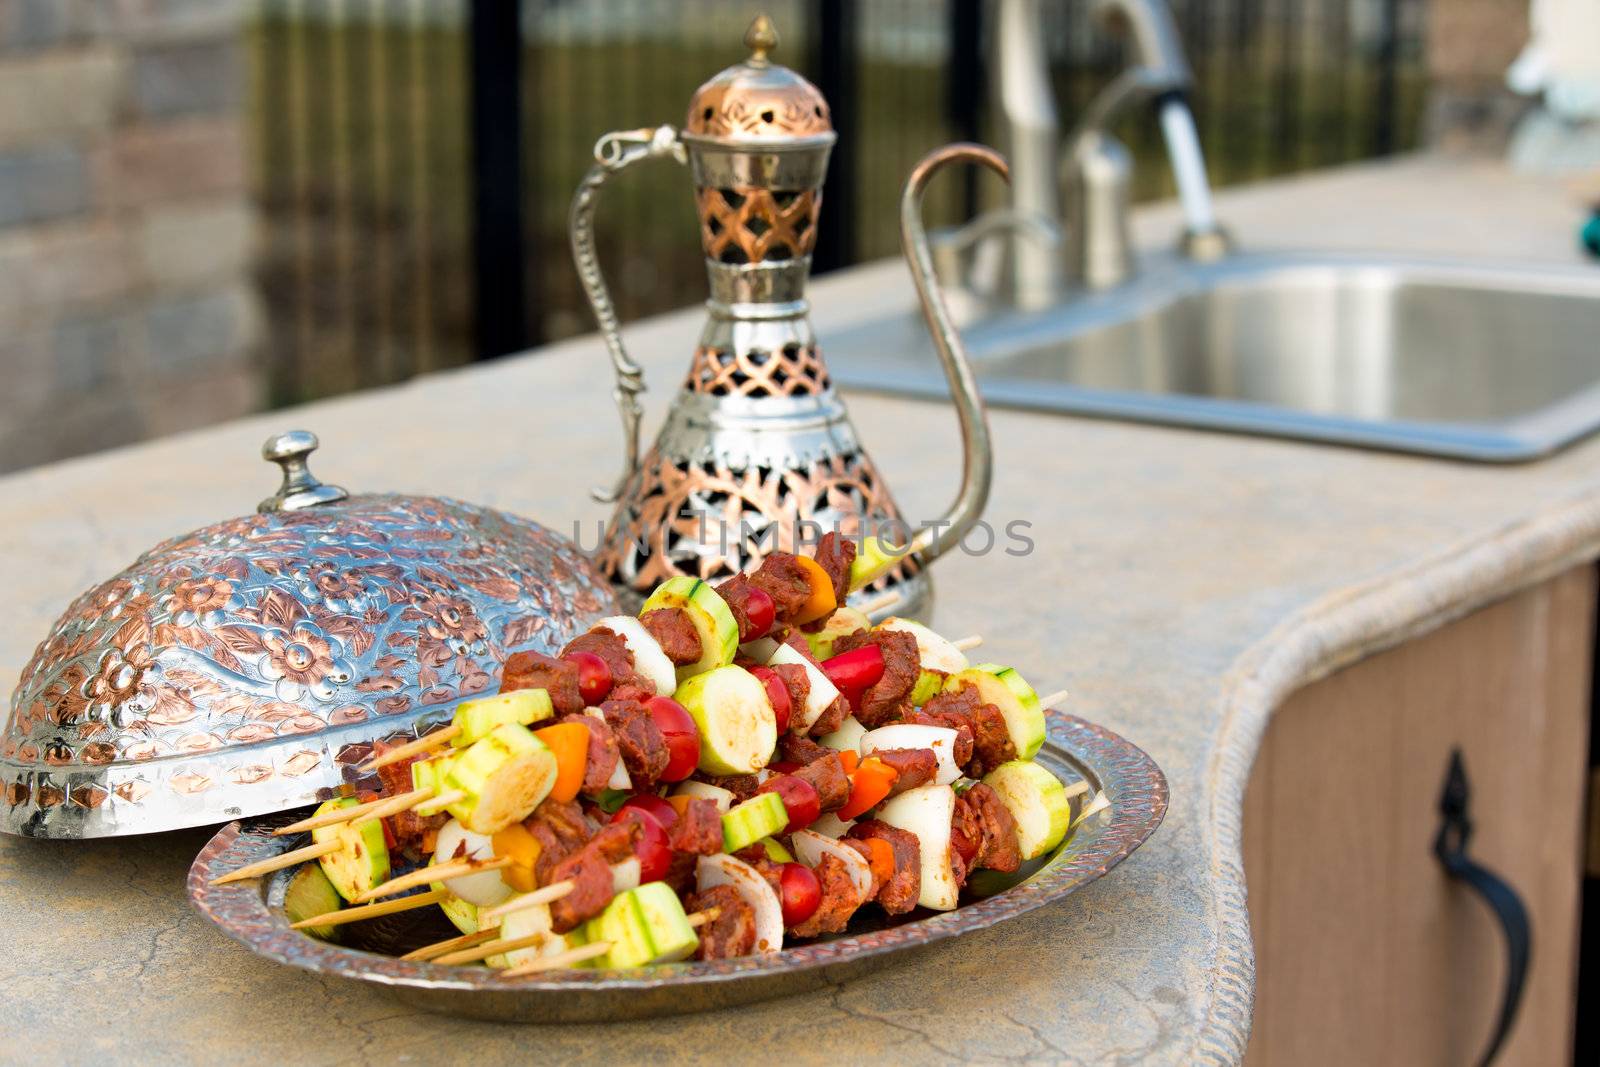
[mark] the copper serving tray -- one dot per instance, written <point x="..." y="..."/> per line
<point x="251" y="913"/>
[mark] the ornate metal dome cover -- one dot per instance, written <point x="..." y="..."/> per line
<point x="758" y="101"/>
<point x="245" y="667"/>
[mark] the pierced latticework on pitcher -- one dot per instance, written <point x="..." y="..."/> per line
<point x="708" y="520"/>
<point x="753" y="225"/>
<point x="792" y="369"/>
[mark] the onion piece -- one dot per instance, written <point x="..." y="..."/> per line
<point x="723" y="869"/>
<point x="484" y="889"/>
<point x="619" y="778"/>
<point x="811" y="847"/>
<point x="625" y="875"/>
<point x="821" y="693"/>
<point x="941" y="739"/>
<point x="830" y="825"/>
<point x="648" y="659"/>
<point x="722" y="798"/>
<point x="847" y="738"/>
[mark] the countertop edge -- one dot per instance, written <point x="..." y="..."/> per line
<point x="1332" y="633"/>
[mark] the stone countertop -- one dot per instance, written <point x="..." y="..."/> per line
<point x="1181" y="584"/>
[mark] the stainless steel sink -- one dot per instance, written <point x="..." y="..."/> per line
<point x="1496" y="363"/>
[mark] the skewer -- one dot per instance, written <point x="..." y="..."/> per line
<point x="968" y="642"/>
<point x="372" y="911"/>
<point x="278" y="863"/>
<point x="439" y="948"/>
<point x="412" y="748"/>
<point x="548" y="894"/>
<point x="887" y="600"/>
<point x="561" y="960"/>
<point x="1053" y="699"/>
<point x="593" y="950"/>
<point x="437" y="803"/>
<point x="437" y="873"/>
<point x="493" y="948"/>
<point x="370" y="809"/>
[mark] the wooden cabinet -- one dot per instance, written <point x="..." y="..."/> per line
<point x="1366" y="953"/>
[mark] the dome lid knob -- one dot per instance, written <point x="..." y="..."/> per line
<point x="300" y="488"/>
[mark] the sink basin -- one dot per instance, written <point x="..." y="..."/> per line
<point x="1494" y="363"/>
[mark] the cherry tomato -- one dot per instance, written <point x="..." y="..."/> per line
<point x="801" y="893"/>
<point x="778" y="695"/>
<point x="963" y="845"/>
<point x="683" y="738"/>
<point x="653" y="806"/>
<point x="799" y="797"/>
<point x="855" y="671"/>
<point x="761" y="611"/>
<point x="655" y="854"/>
<point x="594" y="676"/>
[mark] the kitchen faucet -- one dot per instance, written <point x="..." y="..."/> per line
<point x="1022" y="257"/>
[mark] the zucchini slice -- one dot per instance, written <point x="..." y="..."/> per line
<point x="310" y="893"/>
<point x="738" y="728"/>
<point x="362" y="860"/>
<point x="874" y="558"/>
<point x="761" y="816"/>
<point x="719" y="634"/>
<point x="1038" y="803"/>
<point x="477" y="718"/>
<point x="844" y="620"/>
<point x="622" y="924"/>
<point x="926" y="811"/>
<point x="648" y="659"/>
<point x="671" y="936"/>
<point x="505" y="776"/>
<point x="1005" y="689"/>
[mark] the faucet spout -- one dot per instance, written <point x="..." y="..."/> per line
<point x="1028" y="104"/>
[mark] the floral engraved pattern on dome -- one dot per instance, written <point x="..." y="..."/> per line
<point x="286" y="624"/>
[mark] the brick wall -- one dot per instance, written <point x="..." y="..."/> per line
<point x="126" y="231"/>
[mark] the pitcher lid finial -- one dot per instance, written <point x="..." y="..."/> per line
<point x="761" y="38"/>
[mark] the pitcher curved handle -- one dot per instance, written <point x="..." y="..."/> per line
<point x="614" y="153"/>
<point x="977" y="460"/>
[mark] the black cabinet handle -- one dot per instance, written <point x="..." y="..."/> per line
<point x="1451" y="848"/>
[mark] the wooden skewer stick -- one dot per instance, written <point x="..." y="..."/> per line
<point x="593" y="950"/>
<point x="968" y="642"/>
<point x="439" y="948"/>
<point x="561" y="960"/>
<point x="1053" y="699"/>
<point x="437" y="873"/>
<point x="278" y="863"/>
<point x="494" y="948"/>
<point x="372" y="911"/>
<point x="887" y="600"/>
<point x="411" y="748"/>
<point x="369" y="810"/>
<point x="547" y="894"/>
<point x="436" y="804"/>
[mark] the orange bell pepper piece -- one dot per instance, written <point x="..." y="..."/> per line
<point x="881" y="860"/>
<point x="868" y="786"/>
<point x="821" y="602"/>
<point x="680" y="804"/>
<point x="851" y="760"/>
<point x="523" y="849"/>
<point x="569" y="741"/>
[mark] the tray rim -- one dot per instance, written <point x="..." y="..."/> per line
<point x="1135" y="784"/>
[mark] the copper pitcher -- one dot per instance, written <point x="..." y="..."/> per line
<point x="757" y="452"/>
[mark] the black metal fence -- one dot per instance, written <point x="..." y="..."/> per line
<point x="414" y="158"/>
